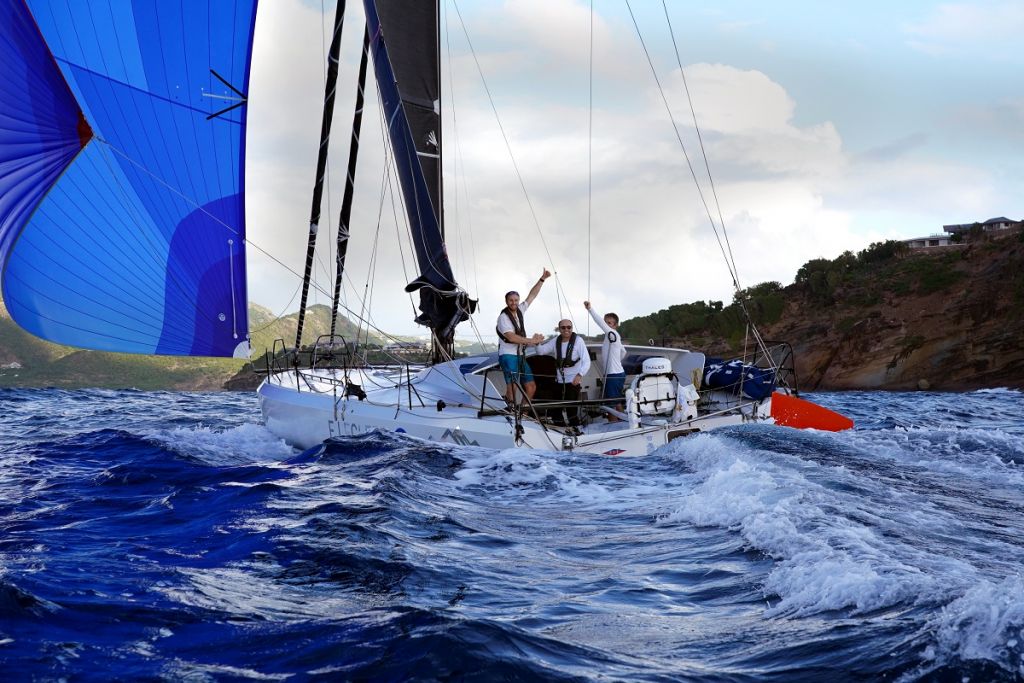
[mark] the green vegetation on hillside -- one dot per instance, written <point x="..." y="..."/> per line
<point x="46" y="364"/>
<point x="764" y="303"/>
<point x="861" y="280"/>
<point x="855" y="281"/>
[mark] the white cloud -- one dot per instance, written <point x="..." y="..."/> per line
<point x="789" y="192"/>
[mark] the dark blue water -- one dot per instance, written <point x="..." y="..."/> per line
<point x="169" y="536"/>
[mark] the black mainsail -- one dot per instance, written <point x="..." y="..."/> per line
<point x="404" y="40"/>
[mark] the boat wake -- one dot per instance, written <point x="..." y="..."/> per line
<point x="211" y="549"/>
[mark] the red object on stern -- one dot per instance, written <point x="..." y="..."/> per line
<point x="790" y="411"/>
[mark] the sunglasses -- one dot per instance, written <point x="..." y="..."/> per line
<point x="565" y="327"/>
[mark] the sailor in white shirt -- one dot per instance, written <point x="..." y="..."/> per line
<point x="572" y="359"/>
<point x="612" y="355"/>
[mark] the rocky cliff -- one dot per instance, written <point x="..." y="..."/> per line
<point x="946" y="319"/>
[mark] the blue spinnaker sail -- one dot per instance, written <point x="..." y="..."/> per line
<point x="139" y="244"/>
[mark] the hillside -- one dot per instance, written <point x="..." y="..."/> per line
<point x="44" y="364"/>
<point x="885" y="318"/>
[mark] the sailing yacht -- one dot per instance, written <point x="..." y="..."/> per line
<point x="122" y="228"/>
<point x="461" y="400"/>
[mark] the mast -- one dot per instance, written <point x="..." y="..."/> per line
<point x="321" y="163"/>
<point x="405" y="41"/>
<point x="442" y="343"/>
<point x="440" y="118"/>
<point x="350" y="179"/>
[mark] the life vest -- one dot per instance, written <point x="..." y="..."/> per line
<point x="567" y="362"/>
<point x="518" y="324"/>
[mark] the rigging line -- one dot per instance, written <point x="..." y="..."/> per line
<point x="398" y="236"/>
<point x="679" y="138"/>
<point x="367" y="320"/>
<point x="103" y="105"/>
<point x="108" y="81"/>
<point x="413" y="161"/>
<point x="461" y="160"/>
<point x="385" y="174"/>
<point x="328" y="269"/>
<point x="130" y="207"/>
<point x="142" y="265"/>
<point x="280" y="315"/>
<point x="730" y="259"/>
<point x="234" y="313"/>
<point x="700" y="139"/>
<point x="371" y="274"/>
<point x="412" y="239"/>
<point x="161" y="201"/>
<point x="91" y="314"/>
<point x="146" y="347"/>
<point x="368" y="300"/>
<point x="479" y="337"/>
<point x="456" y="163"/>
<point x="515" y="165"/>
<point x="197" y="206"/>
<point x="590" y="156"/>
<point x="389" y="162"/>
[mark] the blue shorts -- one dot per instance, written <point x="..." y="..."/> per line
<point x="516" y="368"/>
<point x="614" y="384"/>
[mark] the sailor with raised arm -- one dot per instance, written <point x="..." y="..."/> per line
<point x="612" y="355"/>
<point x="512" y="342"/>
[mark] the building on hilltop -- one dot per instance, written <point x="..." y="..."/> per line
<point x="406" y="347"/>
<point x="997" y="223"/>
<point x="928" y="242"/>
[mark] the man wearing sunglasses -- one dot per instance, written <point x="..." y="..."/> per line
<point x="572" y="360"/>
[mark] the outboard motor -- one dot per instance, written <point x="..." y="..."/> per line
<point x="653" y="391"/>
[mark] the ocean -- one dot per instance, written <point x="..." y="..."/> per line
<point x="169" y="536"/>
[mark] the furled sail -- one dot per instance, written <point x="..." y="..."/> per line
<point x="404" y="44"/>
<point x="138" y="245"/>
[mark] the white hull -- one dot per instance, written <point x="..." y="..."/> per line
<point x="309" y="406"/>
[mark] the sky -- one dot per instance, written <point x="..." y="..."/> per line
<point x="825" y="128"/>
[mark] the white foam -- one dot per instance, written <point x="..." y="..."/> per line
<point x="523" y="471"/>
<point x="985" y="623"/>
<point x="834" y="548"/>
<point x="983" y="455"/>
<point x="242" y="444"/>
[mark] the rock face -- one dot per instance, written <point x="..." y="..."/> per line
<point x="968" y="335"/>
<point x="939" y="319"/>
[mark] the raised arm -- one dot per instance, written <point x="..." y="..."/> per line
<point x="598" y="318"/>
<point x="536" y="288"/>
